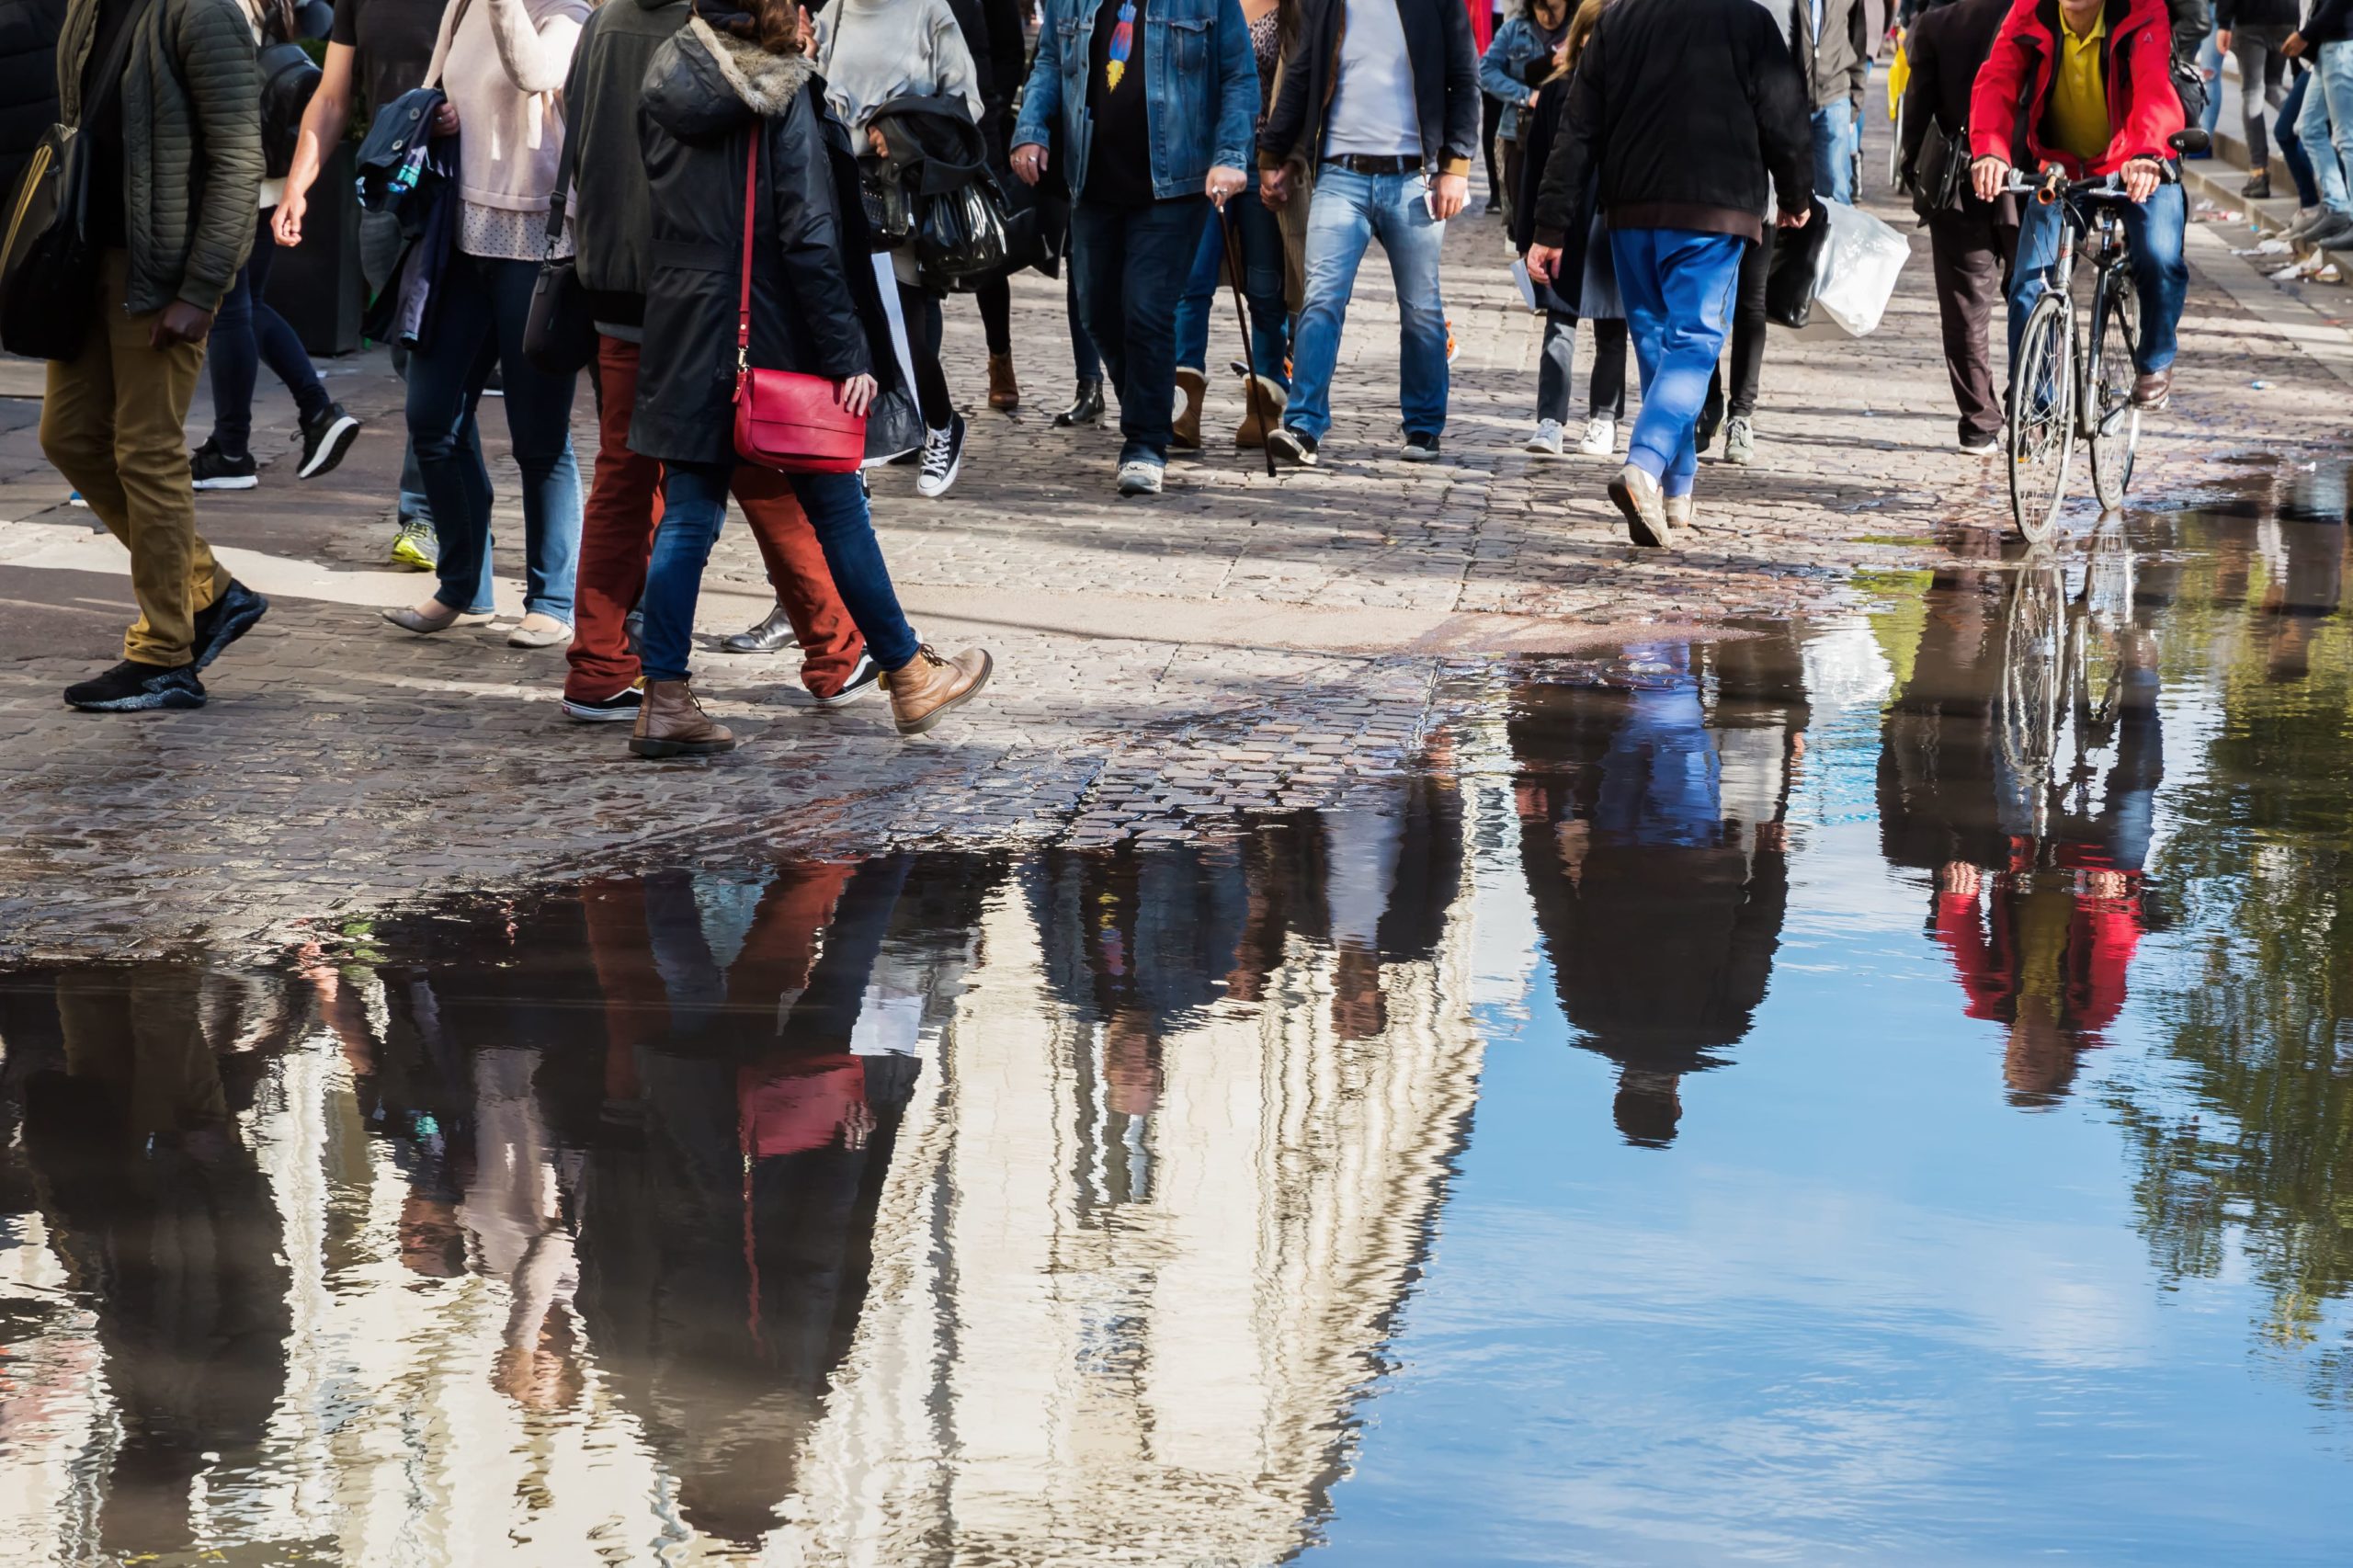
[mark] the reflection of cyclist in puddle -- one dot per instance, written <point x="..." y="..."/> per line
<point x="1653" y="832"/>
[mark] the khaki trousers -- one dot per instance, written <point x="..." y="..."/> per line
<point x="114" y="422"/>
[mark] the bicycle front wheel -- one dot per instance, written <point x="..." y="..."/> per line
<point x="2042" y="422"/>
<point x="2111" y="421"/>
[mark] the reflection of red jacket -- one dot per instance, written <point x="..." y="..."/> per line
<point x="2143" y="111"/>
<point x="2102" y="934"/>
<point x="785" y="1113"/>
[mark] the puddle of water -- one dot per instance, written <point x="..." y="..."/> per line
<point x="1876" y="1090"/>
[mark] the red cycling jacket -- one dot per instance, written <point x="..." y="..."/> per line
<point x="2013" y="89"/>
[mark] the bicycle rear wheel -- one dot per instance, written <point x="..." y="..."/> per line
<point x="2111" y="418"/>
<point x="2042" y="422"/>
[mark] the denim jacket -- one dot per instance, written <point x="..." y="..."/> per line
<point x="1503" y="70"/>
<point x="1201" y="90"/>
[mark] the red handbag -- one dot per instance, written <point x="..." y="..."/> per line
<point x="784" y="420"/>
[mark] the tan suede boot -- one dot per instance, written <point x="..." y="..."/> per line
<point x="927" y="686"/>
<point x="1005" y="392"/>
<point x="672" y="724"/>
<point x="1252" y="432"/>
<point x="1185" y="430"/>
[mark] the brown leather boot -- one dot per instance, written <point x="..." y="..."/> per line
<point x="1005" y="393"/>
<point x="672" y="724"/>
<point x="1185" y="430"/>
<point x="927" y="686"/>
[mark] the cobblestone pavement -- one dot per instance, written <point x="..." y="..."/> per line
<point x="1236" y="644"/>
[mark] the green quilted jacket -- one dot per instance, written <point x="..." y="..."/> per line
<point x="191" y="130"/>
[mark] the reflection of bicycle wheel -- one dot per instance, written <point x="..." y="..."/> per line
<point x="2034" y="682"/>
<point x="2042" y="423"/>
<point x="2111" y="416"/>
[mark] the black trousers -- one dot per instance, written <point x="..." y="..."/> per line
<point x="1748" y="327"/>
<point x="1970" y="254"/>
<point x="920" y="308"/>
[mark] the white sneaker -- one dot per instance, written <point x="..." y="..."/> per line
<point x="1547" y="438"/>
<point x="1600" y="437"/>
<point x="943" y="458"/>
<point x="1140" y="477"/>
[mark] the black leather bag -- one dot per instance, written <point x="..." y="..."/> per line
<point x="48" y="270"/>
<point x="1941" y="176"/>
<point x="560" y="333"/>
<point x="960" y="233"/>
<point x="1796" y="270"/>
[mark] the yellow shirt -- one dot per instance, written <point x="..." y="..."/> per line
<point x="2078" y="118"/>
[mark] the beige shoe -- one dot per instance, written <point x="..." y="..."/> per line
<point x="672" y="724"/>
<point x="1638" y="496"/>
<point x="1185" y="430"/>
<point x="1679" y="511"/>
<point x="433" y="616"/>
<point x="927" y="686"/>
<point x="538" y="631"/>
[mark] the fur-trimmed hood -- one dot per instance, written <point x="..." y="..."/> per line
<point x="704" y="82"/>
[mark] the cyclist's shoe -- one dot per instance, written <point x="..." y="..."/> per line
<point x="2153" y="389"/>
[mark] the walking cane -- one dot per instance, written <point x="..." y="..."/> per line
<point x="1253" y="395"/>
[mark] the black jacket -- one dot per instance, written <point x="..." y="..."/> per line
<point x="1945" y="47"/>
<point x="2234" y="14"/>
<point x="815" y="305"/>
<point x="612" y="208"/>
<point x="1680" y="110"/>
<point x="2331" y="22"/>
<point x="29" y="32"/>
<point x="1446" y="84"/>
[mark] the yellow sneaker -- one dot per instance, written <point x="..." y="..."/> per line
<point x="416" y="546"/>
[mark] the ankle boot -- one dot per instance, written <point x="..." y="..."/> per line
<point x="1185" y="430"/>
<point x="672" y="724"/>
<point x="927" y="686"/>
<point x="773" y="634"/>
<point x="1005" y="392"/>
<point x="1252" y="432"/>
<point x="1086" y="408"/>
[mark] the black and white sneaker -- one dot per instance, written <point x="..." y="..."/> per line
<point x="209" y="468"/>
<point x="132" y="688"/>
<point x="225" y="620"/>
<point x="1421" y="447"/>
<point x="943" y="458"/>
<point x="620" y="707"/>
<point x="326" y="440"/>
<point x="1293" y="446"/>
<point x="864" y="679"/>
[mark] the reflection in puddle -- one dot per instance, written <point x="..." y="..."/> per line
<point x="1603" y="1143"/>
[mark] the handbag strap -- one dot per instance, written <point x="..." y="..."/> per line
<point x="743" y="297"/>
<point x="565" y="163"/>
<point x="110" y="68"/>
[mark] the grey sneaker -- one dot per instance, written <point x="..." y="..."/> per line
<point x="1679" y="511"/>
<point x="2335" y="234"/>
<point x="1740" y="440"/>
<point x="1547" y="438"/>
<point x="1638" y="496"/>
<point x="1140" y="476"/>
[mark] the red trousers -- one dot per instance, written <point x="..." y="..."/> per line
<point x="617" y="540"/>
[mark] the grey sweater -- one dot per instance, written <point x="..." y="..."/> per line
<point x="870" y="51"/>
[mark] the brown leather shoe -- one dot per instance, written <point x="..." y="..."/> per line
<point x="1185" y="430"/>
<point x="2153" y="389"/>
<point x="927" y="686"/>
<point x="1005" y="392"/>
<point x="672" y="724"/>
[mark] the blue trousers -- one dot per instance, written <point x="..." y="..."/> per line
<point x="247" y="334"/>
<point x="1349" y="211"/>
<point x="1835" y="139"/>
<point x="693" y="505"/>
<point x="1131" y="263"/>
<point x="2155" y="229"/>
<point x="1678" y="287"/>
<point x="482" y="308"/>
<point x="1261" y="241"/>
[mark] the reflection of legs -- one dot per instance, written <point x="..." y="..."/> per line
<point x="1339" y="226"/>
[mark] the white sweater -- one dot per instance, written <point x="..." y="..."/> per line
<point x="503" y="70"/>
<point x="870" y="51"/>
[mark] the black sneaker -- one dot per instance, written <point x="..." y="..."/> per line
<point x="864" y="679"/>
<point x="1293" y="446"/>
<point x="1420" y="447"/>
<point x="225" y="620"/>
<point x="621" y="706"/>
<point x="130" y="687"/>
<point x="209" y="468"/>
<point x="326" y="440"/>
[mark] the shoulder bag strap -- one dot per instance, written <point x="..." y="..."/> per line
<point x="110" y="69"/>
<point x="565" y="163"/>
<point x="744" y="298"/>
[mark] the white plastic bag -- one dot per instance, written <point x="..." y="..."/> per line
<point x="1860" y="260"/>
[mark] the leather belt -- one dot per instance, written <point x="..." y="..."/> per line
<point x="1360" y="163"/>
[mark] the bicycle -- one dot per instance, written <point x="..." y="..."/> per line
<point x="2064" y="387"/>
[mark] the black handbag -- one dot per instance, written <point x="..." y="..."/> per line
<point x="560" y="333"/>
<point x="1796" y="270"/>
<point x="1941" y="174"/>
<point x="48" y="270"/>
<point x="289" y="77"/>
<point x="960" y="233"/>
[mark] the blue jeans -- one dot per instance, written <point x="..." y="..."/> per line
<point x="1084" y="358"/>
<point x="483" y="306"/>
<point x="1261" y="243"/>
<point x="2314" y="132"/>
<point x="2291" y="146"/>
<point x="1677" y="287"/>
<point x="2210" y="65"/>
<point x="1131" y="266"/>
<point x="694" y="504"/>
<point x="1833" y="151"/>
<point x="246" y="334"/>
<point x="2154" y="230"/>
<point x="2335" y="89"/>
<point x="1348" y="211"/>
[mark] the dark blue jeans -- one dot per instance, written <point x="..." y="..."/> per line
<point x="483" y="306"/>
<point x="693" y="505"/>
<point x="1132" y="265"/>
<point x="1260" y="239"/>
<point x="1088" y="363"/>
<point x="246" y="334"/>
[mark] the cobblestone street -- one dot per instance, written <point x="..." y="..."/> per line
<point x="1237" y="644"/>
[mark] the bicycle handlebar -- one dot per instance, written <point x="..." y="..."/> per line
<point x="2053" y="187"/>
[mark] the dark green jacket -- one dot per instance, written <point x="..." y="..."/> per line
<point x="191" y="133"/>
<point x="612" y="215"/>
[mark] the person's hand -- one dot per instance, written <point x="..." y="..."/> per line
<point x="1223" y="185"/>
<point x="1449" y="194"/>
<point x="1797" y="219"/>
<point x="445" y="119"/>
<point x="177" y="322"/>
<point x="855" y="393"/>
<point x="286" y="227"/>
<point x="875" y="143"/>
<point x="2293" y="47"/>
<point x="2141" y="177"/>
<point x="2222" y="40"/>
<point x="1987" y="177"/>
<point x="1958" y="877"/>
<point x="1533" y="95"/>
<point x="1542" y="262"/>
<point x="1274" y="186"/>
<point x="1030" y="162"/>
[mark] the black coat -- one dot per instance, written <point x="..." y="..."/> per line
<point x="1446" y="84"/>
<point x="815" y="305"/>
<point x="1946" y="46"/>
<point x="29" y="31"/>
<point x="1680" y="110"/>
